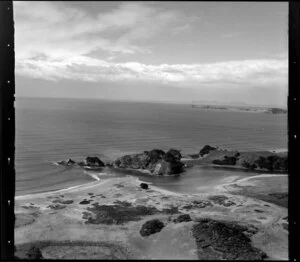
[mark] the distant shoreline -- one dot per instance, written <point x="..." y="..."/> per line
<point x="189" y="103"/>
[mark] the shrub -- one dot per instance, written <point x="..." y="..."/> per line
<point x="34" y="253"/>
<point x="182" y="218"/>
<point x="174" y="153"/>
<point x="273" y="162"/>
<point x="151" y="227"/>
<point x="155" y="155"/>
<point x="228" y="160"/>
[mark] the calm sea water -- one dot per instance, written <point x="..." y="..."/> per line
<point x="48" y="130"/>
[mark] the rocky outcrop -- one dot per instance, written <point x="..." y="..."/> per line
<point x="68" y="162"/>
<point x="88" y="162"/>
<point x="156" y="161"/>
<point x="206" y="149"/>
<point x="93" y="162"/>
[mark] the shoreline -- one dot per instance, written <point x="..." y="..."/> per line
<point x="72" y="189"/>
<point x="78" y="188"/>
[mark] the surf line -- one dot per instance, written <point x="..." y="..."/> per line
<point x="73" y="188"/>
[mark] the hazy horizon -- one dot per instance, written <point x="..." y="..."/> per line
<point x="193" y="51"/>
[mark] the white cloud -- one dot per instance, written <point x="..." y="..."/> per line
<point x="245" y="72"/>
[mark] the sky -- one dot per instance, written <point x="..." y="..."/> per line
<point x="230" y="52"/>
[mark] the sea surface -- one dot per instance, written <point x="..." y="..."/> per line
<point x="48" y="130"/>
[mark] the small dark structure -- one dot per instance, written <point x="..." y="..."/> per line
<point x="144" y="186"/>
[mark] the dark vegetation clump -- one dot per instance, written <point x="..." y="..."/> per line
<point x="85" y="202"/>
<point x="171" y="211"/>
<point x="118" y="213"/>
<point x="248" y="165"/>
<point x="155" y="155"/>
<point x="206" y="149"/>
<point x="279" y="195"/>
<point x="172" y="155"/>
<point x="182" y="218"/>
<point x="227" y="241"/>
<point x="144" y="186"/>
<point x="59" y="201"/>
<point x="198" y="204"/>
<point x="34" y="253"/>
<point x="285" y="226"/>
<point x="221" y="200"/>
<point x="228" y="160"/>
<point x="273" y="162"/>
<point x="176" y="167"/>
<point x="151" y="227"/>
<point x="56" y="206"/>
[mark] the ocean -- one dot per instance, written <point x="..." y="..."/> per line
<point x="50" y="129"/>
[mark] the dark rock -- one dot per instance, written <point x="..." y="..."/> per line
<point x="34" y="253"/>
<point x="206" y="149"/>
<point x="151" y="227"/>
<point x="94" y="162"/>
<point x="182" y="218"/>
<point x="144" y="186"/>
<point x="69" y="162"/>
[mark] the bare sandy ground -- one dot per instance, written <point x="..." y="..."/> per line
<point x="57" y="217"/>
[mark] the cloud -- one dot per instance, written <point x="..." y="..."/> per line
<point x="244" y="72"/>
<point x="58" y="30"/>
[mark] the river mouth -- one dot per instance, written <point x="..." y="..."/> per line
<point x="196" y="179"/>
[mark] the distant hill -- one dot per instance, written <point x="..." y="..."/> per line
<point x="219" y="107"/>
